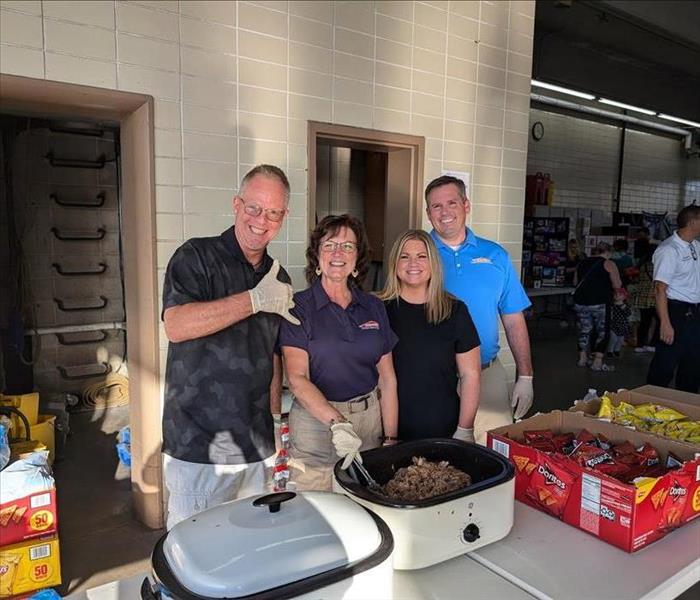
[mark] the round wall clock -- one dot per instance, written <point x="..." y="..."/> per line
<point x="538" y="131"/>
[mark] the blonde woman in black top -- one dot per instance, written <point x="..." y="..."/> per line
<point x="437" y="359"/>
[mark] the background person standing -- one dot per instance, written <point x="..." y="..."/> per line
<point x="677" y="294"/>
<point x="479" y="272"/>
<point x="597" y="279"/>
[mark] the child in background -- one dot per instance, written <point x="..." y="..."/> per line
<point x="619" y="322"/>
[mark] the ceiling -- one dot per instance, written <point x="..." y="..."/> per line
<point x="645" y="53"/>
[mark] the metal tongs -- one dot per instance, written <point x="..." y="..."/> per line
<point x="371" y="483"/>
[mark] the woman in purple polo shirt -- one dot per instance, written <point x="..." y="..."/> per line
<point x="338" y="361"/>
<point x="437" y="358"/>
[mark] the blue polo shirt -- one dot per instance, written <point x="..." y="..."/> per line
<point x="344" y="345"/>
<point x="480" y="274"/>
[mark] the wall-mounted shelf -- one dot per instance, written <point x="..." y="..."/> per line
<point x="101" y="268"/>
<point x="97" y="203"/>
<point x="77" y="307"/>
<point x="79" y="236"/>
<point x="93" y="370"/>
<point x="76" y="163"/>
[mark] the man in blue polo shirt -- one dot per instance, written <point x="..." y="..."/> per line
<point x="479" y="272"/>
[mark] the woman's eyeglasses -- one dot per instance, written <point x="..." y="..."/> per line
<point x="693" y="252"/>
<point x="347" y="247"/>
<point x="271" y="214"/>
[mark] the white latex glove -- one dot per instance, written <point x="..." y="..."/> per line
<point x="347" y="443"/>
<point x="464" y="434"/>
<point x="522" y="396"/>
<point x="273" y="296"/>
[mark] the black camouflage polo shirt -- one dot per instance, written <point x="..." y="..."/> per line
<point x="217" y="388"/>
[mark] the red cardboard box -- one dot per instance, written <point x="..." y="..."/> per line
<point x="620" y="514"/>
<point x="29" y="517"/>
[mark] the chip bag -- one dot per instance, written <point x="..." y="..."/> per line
<point x="550" y="485"/>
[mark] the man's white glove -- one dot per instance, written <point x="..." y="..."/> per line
<point x="347" y="443"/>
<point x="522" y="396"/>
<point x="464" y="434"/>
<point x="273" y="296"/>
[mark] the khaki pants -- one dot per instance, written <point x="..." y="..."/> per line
<point x="312" y="454"/>
<point x="494" y="402"/>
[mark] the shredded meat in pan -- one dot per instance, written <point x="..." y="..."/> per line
<point x="425" y="479"/>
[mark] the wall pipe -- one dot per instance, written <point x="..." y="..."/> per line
<point x="591" y="110"/>
<point x="76" y="328"/>
<point x="620" y="166"/>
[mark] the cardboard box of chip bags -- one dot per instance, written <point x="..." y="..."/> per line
<point x="662" y="412"/>
<point x="29" y="566"/>
<point x="31" y="516"/>
<point x="27" y="500"/>
<point x="627" y="515"/>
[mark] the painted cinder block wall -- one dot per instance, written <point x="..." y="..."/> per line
<point x="235" y="83"/>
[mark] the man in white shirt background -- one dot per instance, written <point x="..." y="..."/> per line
<point x="677" y="293"/>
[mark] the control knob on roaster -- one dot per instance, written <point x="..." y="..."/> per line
<point x="471" y="533"/>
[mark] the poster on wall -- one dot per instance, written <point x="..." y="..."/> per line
<point x="463" y="175"/>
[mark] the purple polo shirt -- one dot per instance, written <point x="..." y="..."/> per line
<point x="344" y="345"/>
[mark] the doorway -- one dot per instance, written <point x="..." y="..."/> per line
<point x="376" y="176"/>
<point x="133" y="113"/>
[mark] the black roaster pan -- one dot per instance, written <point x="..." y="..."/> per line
<point x="486" y="468"/>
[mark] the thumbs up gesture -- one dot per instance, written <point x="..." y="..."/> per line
<point x="273" y="296"/>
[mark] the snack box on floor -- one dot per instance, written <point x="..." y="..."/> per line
<point x="29" y="517"/>
<point x="29" y="566"/>
<point x="620" y="514"/>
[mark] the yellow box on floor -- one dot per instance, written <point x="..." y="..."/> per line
<point x="40" y="433"/>
<point x="20" y="450"/>
<point x="44" y="432"/>
<point x="28" y="405"/>
<point x="29" y="566"/>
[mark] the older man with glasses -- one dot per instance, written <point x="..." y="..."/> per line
<point x="677" y="294"/>
<point x="223" y="300"/>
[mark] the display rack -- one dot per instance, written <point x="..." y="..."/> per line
<point x="545" y="242"/>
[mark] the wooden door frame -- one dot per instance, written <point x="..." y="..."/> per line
<point x="134" y="113"/>
<point x="360" y="138"/>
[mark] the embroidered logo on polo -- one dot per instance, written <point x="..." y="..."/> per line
<point x="369" y="325"/>
<point x="481" y="260"/>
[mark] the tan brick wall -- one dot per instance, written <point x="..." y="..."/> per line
<point x="235" y="82"/>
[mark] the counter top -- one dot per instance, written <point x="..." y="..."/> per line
<point x="551" y="559"/>
<point x="549" y="291"/>
<point x="541" y="557"/>
<point x="457" y="578"/>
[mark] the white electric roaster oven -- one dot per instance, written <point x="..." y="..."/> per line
<point x="287" y="544"/>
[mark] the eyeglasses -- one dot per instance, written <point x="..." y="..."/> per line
<point x="693" y="252"/>
<point x="347" y="247"/>
<point x="271" y="214"/>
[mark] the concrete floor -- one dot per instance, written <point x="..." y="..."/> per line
<point x="100" y="540"/>
<point x="558" y="381"/>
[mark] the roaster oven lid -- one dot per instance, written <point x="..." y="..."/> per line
<point x="274" y="546"/>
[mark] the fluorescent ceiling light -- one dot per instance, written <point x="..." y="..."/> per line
<point x="679" y="120"/>
<point x="563" y="90"/>
<point x="644" y="111"/>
